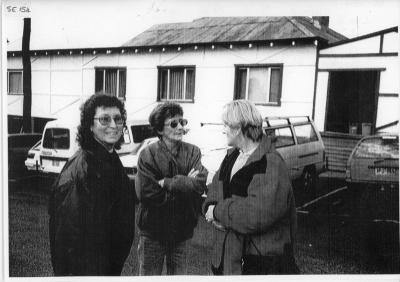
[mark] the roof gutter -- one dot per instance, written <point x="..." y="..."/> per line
<point x="123" y="49"/>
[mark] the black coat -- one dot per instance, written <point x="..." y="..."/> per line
<point x="92" y="215"/>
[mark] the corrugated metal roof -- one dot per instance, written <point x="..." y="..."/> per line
<point x="233" y="29"/>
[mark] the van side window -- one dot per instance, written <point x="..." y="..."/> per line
<point x="281" y="136"/>
<point x="305" y="133"/>
<point x="125" y="136"/>
<point x="141" y="132"/>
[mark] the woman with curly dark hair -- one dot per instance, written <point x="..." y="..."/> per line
<point x="92" y="204"/>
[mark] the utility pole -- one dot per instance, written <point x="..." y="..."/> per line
<point x="27" y="77"/>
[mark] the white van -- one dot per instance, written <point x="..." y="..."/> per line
<point x="59" y="142"/>
<point x="301" y="146"/>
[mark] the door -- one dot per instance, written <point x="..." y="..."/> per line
<point x="352" y="101"/>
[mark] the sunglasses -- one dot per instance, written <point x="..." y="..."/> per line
<point x="106" y="120"/>
<point x="174" y="123"/>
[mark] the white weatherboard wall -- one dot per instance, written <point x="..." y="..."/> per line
<point x="388" y="106"/>
<point x="62" y="82"/>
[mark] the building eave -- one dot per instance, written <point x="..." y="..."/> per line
<point x="146" y="48"/>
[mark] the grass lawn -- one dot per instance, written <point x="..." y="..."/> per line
<point x="324" y="246"/>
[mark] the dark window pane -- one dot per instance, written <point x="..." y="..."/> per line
<point x="99" y="81"/>
<point x="241" y="83"/>
<point x="176" y="84"/>
<point x="111" y="82"/>
<point x="122" y="84"/>
<point x="142" y="132"/>
<point x="274" y="86"/>
<point x="15" y="82"/>
<point x="163" y="83"/>
<point x="56" y="138"/>
<point x="189" y="84"/>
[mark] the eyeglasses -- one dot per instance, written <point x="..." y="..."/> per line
<point x="106" y="120"/>
<point x="174" y="123"/>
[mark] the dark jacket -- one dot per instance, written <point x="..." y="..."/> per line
<point x="92" y="215"/>
<point x="169" y="213"/>
<point x="257" y="203"/>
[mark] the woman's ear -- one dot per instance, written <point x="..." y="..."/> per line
<point x="159" y="132"/>
<point x="238" y="131"/>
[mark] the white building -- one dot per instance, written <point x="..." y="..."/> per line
<point x="202" y="65"/>
<point x="286" y="65"/>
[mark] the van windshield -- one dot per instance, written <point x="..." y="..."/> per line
<point x="56" y="138"/>
<point x="142" y="132"/>
<point x="378" y="148"/>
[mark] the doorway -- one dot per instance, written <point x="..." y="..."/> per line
<point x="352" y="101"/>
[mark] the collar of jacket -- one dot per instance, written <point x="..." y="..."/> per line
<point x="100" y="152"/>
<point x="165" y="148"/>
<point x="264" y="147"/>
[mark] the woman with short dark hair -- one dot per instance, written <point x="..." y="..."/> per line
<point x="92" y="204"/>
<point x="169" y="184"/>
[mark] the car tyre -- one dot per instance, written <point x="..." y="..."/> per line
<point x="309" y="183"/>
<point x="305" y="186"/>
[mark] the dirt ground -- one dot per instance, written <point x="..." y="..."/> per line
<point x="326" y="243"/>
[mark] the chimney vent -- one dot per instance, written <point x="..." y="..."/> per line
<point x="321" y="22"/>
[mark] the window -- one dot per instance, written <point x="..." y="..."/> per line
<point x="378" y="148"/>
<point x="305" y="133"/>
<point x="112" y="81"/>
<point x="260" y="84"/>
<point x="125" y="136"/>
<point x="142" y="132"/>
<point x="56" y="138"/>
<point x="281" y="136"/>
<point x="176" y="83"/>
<point x="14" y="82"/>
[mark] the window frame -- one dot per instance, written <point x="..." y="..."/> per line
<point x="294" y="125"/>
<point x="8" y="81"/>
<point x="275" y="127"/>
<point x="103" y="69"/>
<point x="269" y="67"/>
<point x="160" y="69"/>
<point x="49" y="134"/>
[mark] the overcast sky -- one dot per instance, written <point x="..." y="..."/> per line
<point x="91" y="23"/>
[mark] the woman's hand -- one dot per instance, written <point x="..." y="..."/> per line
<point x="193" y="173"/>
<point x="218" y="225"/>
<point x="210" y="218"/>
<point x="210" y="213"/>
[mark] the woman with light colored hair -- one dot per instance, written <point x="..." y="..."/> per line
<point x="250" y="200"/>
